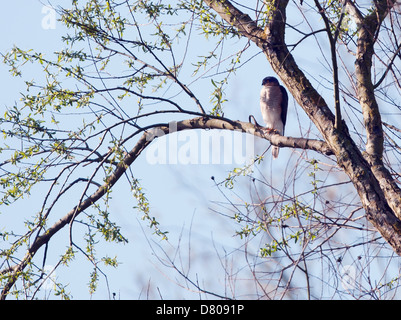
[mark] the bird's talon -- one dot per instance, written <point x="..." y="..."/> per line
<point x="269" y="130"/>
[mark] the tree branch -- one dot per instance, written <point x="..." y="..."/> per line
<point x="373" y="195"/>
<point x="333" y="41"/>
<point x="147" y="137"/>
<point x="367" y="36"/>
<point x="368" y="28"/>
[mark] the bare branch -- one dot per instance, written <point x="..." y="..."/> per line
<point x="333" y="41"/>
<point x="130" y="157"/>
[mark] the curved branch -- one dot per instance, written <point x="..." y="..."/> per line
<point x="147" y="137"/>
<point x="271" y="41"/>
<point x="377" y="191"/>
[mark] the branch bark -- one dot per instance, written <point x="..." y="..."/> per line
<point x="147" y="138"/>
<point x="375" y="186"/>
<point x="367" y="35"/>
<point x="377" y="190"/>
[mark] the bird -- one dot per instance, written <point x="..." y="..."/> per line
<point x="274" y="106"/>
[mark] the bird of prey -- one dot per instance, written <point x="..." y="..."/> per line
<point x="274" y="105"/>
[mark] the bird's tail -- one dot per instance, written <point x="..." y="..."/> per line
<point x="275" y="152"/>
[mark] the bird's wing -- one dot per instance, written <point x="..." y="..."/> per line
<point x="284" y="105"/>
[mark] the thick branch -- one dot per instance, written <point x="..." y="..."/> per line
<point x="271" y="41"/>
<point x="363" y="64"/>
<point x="130" y="157"/>
<point x="367" y="35"/>
<point x="368" y="28"/>
<point x="373" y="196"/>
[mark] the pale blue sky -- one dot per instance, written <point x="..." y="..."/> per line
<point x="183" y="198"/>
<point x="179" y="195"/>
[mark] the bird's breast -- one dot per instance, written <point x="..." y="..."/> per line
<point x="271" y="96"/>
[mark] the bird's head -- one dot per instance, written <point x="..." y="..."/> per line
<point x="270" y="81"/>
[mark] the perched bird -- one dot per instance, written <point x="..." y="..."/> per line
<point x="274" y="105"/>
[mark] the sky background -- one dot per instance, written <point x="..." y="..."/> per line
<point x="183" y="198"/>
<point x="179" y="195"/>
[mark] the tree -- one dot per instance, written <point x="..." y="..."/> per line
<point x="127" y="83"/>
